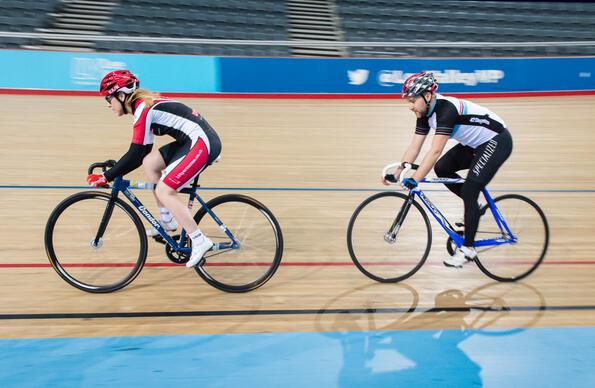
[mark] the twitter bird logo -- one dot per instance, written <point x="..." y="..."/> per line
<point x="357" y="77"/>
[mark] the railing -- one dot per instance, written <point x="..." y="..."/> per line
<point x="312" y="43"/>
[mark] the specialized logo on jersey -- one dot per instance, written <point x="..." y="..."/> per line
<point x="358" y="77"/>
<point x="477" y="120"/>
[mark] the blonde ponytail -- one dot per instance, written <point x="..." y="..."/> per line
<point x="146" y="96"/>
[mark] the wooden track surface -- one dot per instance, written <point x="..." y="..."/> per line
<point x="297" y="144"/>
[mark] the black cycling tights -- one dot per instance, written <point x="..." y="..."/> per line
<point x="482" y="162"/>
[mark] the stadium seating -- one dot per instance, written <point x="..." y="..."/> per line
<point x="200" y="19"/>
<point x="467" y="21"/>
<point x="22" y="16"/>
<point x="359" y="21"/>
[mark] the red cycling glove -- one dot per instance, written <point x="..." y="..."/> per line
<point x="97" y="180"/>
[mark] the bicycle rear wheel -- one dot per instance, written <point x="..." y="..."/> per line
<point x="370" y="245"/>
<point x="103" y="266"/>
<point x="513" y="261"/>
<point x="260" y="238"/>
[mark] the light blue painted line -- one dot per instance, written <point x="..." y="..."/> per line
<point x="548" y="357"/>
<point x="331" y="189"/>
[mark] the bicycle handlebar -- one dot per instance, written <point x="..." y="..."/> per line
<point x="391" y="177"/>
<point x="111" y="163"/>
<point x="103" y="165"/>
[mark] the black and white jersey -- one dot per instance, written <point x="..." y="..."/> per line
<point x="464" y="121"/>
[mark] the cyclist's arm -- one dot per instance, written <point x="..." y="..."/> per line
<point x="429" y="160"/>
<point x="422" y="128"/>
<point x="412" y="152"/>
<point x="130" y="161"/>
<point x="446" y="118"/>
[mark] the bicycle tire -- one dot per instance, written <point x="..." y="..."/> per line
<point x="220" y="278"/>
<point x="59" y="267"/>
<point x="425" y="226"/>
<point x="542" y="252"/>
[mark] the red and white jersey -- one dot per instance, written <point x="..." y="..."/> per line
<point x="168" y="117"/>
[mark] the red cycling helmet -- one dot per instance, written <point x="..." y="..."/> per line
<point x="118" y="81"/>
<point x="418" y="84"/>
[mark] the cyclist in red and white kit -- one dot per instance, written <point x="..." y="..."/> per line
<point x="174" y="165"/>
<point x="484" y="145"/>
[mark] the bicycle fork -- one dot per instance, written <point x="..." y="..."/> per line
<point x="97" y="242"/>
<point x="391" y="236"/>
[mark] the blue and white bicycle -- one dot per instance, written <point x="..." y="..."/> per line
<point x="389" y="235"/>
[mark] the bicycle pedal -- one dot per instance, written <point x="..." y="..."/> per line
<point x="159" y="239"/>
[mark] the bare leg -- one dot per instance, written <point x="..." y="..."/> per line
<point x="200" y="243"/>
<point x="169" y="198"/>
<point x="153" y="164"/>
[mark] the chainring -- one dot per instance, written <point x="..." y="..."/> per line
<point x="177" y="257"/>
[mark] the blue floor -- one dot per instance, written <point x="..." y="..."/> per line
<point x="548" y="357"/>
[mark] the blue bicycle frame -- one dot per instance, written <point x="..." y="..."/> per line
<point x="507" y="235"/>
<point x="124" y="186"/>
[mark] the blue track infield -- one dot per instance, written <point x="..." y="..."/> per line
<point x="536" y="357"/>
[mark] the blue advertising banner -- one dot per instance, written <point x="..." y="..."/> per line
<point x="186" y="74"/>
<point x="306" y="75"/>
<point x="21" y="69"/>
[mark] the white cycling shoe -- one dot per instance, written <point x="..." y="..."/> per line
<point x="198" y="250"/>
<point x="462" y="256"/>
<point x="168" y="226"/>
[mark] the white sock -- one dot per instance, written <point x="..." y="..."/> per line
<point x="197" y="236"/>
<point x="468" y="251"/>
<point x="165" y="215"/>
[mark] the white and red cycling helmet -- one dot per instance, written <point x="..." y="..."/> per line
<point x="418" y="84"/>
<point x="118" y="81"/>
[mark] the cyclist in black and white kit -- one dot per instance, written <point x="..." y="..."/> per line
<point x="484" y="145"/>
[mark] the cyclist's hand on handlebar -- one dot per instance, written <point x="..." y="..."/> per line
<point x="388" y="179"/>
<point x="391" y="178"/>
<point x="409" y="183"/>
<point x="97" y="180"/>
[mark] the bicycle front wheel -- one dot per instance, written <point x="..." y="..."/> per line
<point x="380" y="247"/>
<point x="260" y="243"/>
<point x="91" y="265"/>
<point x="510" y="262"/>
